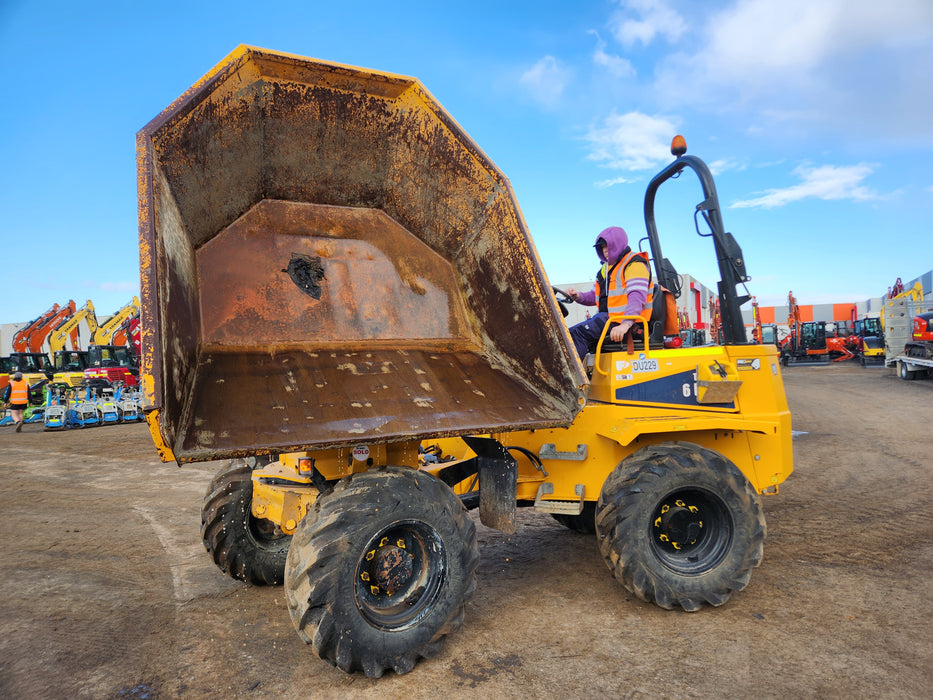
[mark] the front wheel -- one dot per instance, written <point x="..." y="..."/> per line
<point x="678" y="524"/>
<point x="380" y="570"/>
<point x="243" y="546"/>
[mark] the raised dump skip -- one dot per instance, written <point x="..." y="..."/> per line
<point x="326" y="260"/>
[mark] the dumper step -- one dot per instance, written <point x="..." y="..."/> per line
<point x="561" y="507"/>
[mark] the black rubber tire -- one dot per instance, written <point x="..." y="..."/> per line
<point x="244" y="547"/>
<point x="584" y="523"/>
<point x="709" y="553"/>
<point x="332" y="568"/>
<point x="904" y="373"/>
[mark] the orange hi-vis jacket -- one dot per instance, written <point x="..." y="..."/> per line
<point x="617" y="291"/>
<point x="19" y="392"/>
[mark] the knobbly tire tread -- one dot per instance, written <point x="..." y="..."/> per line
<point x="328" y="545"/>
<point x="623" y="523"/>
<point x="227" y="535"/>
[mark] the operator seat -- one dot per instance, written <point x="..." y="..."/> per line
<point x="655" y="326"/>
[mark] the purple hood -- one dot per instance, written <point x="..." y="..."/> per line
<point x="616" y="239"/>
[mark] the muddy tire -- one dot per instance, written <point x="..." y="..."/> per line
<point x="380" y="570"/>
<point x="244" y="547"/>
<point x="584" y="523"/>
<point x="679" y="524"/>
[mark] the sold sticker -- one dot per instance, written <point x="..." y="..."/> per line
<point x="361" y="454"/>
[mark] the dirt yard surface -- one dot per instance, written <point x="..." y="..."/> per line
<point x="108" y="592"/>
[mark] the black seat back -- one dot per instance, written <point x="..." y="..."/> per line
<point x="655" y="326"/>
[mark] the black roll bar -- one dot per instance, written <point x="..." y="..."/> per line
<point x="728" y="253"/>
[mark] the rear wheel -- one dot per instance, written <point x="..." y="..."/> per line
<point x="243" y="546"/>
<point x="904" y="372"/>
<point x="679" y="524"/>
<point x="380" y="570"/>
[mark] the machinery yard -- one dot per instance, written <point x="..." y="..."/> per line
<point x="394" y="446"/>
<point x="112" y="595"/>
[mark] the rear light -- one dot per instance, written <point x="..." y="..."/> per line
<point x="305" y="466"/>
<point x="674" y="342"/>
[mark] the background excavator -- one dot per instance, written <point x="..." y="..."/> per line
<point x="841" y="342"/>
<point x="109" y="333"/>
<point x="763" y="333"/>
<point x="109" y="359"/>
<point x="870" y="339"/>
<point x="27" y="356"/>
<point x="21" y="338"/>
<point x="806" y="342"/>
<point x="70" y="362"/>
<point x="32" y="338"/>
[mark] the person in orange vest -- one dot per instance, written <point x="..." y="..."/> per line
<point x="18" y="398"/>
<point x="622" y="288"/>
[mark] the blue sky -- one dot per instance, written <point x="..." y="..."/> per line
<point x="815" y="116"/>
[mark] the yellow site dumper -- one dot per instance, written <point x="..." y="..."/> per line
<point x="340" y="296"/>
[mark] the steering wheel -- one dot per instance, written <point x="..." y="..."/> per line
<point x="562" y="296"/>
<point x="562" y="300"/>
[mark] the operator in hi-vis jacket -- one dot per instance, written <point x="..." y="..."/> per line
<point x="623" y="288"/>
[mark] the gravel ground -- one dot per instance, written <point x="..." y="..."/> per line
<point x="110" y="594"/>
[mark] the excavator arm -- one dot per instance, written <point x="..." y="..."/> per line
<point x="21" y="338"/>
<point x="69" y="328"/>
<point x="105" y="332"/>
<point x="42" y="330"/>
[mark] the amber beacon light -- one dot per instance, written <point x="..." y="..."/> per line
<point x="678" y="146"/>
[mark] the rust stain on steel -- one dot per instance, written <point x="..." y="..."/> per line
<point x="379" y="283"/>
<point x="432" y="314"/>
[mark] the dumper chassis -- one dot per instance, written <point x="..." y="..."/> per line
<point x="364" y="439"/>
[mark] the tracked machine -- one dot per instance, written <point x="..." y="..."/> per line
<point x="916" y="361"/>
<point x="806" y="342"/>
<point x="340" y="295"/>
<point x="908" y="344"/>
<point x="870" y="341"/>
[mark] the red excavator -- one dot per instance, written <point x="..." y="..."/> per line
<point x="30" y="338"/>
<point x="21" y="338"/>
<point x="921" y="337"/>
<point x="841" y="342"/>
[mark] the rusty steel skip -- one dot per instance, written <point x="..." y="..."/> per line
<point x="328" y="260"/>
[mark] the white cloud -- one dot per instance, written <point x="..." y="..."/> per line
<point x="717" y="167"/>
<point x="857" y="64"/>
<point x="654" y="18"/>
<point x="546" y="80"/>
<point x="619" y="67"/>
<point x="612" y="182"/>
<point x="828" y="182"/>
<point x="631" y="141"/>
